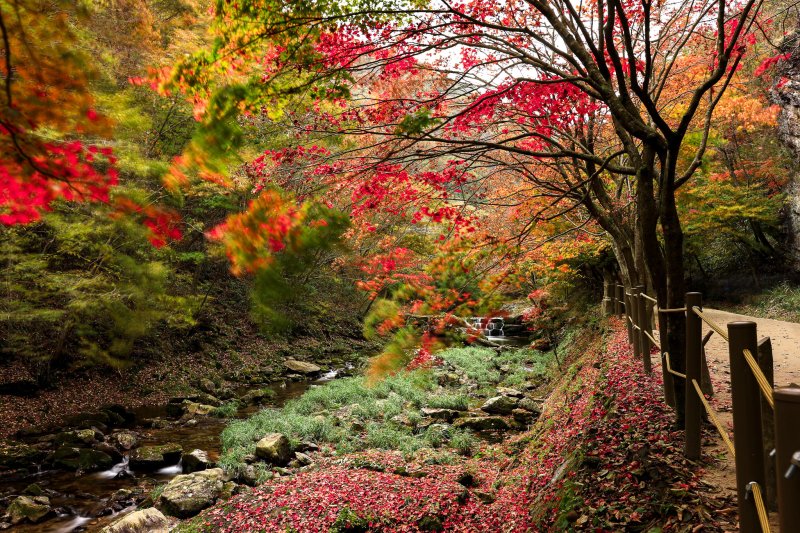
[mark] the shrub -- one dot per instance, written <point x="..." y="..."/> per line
<point x="349" y="521"/>
<point x="781" y="302"/>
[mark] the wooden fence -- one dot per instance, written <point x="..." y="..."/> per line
<point x="766" y="421"/>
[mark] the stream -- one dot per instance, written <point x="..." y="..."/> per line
<point x="86" y="497"/>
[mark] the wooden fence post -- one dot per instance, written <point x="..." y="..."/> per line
<point x="619" y="303"/>
<point x="634" y="299"/>
<point x="768" y="422"/>
<point x="669" y="390"/>
<point x="787" y="446"/>
<point x="747" y="436"/>
<point x="644" y="325"/>
<point x="607" y="306"/>
<point x="705" y="383"/>
<point x="694" y="345"/>
<point x="628" y="314"/>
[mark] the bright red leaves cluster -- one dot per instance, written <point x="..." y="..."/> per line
<point x="163" y="225"/>
<point x="66" y="171"/>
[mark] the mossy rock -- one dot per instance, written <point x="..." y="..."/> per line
<point x="188" y="494"/>
<point x="85" y="459"/>
<point x="32" y="509"/>
<point x="126" y="440"/>
<point x="89" y="419"/>
<point x="141" y="521"/>
<point x="79" y="437"/>
<point x="128" y="416"/>
<point x="274" y="448"/>
<point x="155" y="457"/>
<point x="482" y="423"/>
<point x="16" y="455"/>
<point x="33" y="490"/>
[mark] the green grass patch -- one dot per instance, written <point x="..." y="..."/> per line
<point x="226" y="410"/>
<point x="781" y="302"/>
<point x="325" y="414"/>
<point x="457" y="401"/>
<point x="477" y="363"/>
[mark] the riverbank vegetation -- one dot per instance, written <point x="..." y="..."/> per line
<point x="408" y="411"/>
<point x="574" y="468"/>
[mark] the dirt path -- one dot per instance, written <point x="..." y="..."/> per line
<point x="785" y="338"/>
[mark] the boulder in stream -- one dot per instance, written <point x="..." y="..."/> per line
<point x="142" y="521"/>
<point x="17" y="455"/>
<point x="155" y="457"/>
<point x="302" y="367"/>
<point x="85" y="459"/>
<point x="99" y="420"/>
<point x="188" y="494"/>
<point x="197" y="409"/>
<point x="32" y="509"/>
<point x="79" y="437"/>
<point x="274" y="448"/>
<point x="257" y="396"/>
<point x="500" y="405"/>
<point x="175" y="407"/>
<point x="205" y="398"/>
<point x="199" y="404"/>
<point x="126" y="440"/>
<point x="128" y="416"/>
<point x="34" y="489"/>
<point x="109" y="450"/>
<point x="195" y="461"/>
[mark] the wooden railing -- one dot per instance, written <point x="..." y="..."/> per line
<point x="766" y="421"/>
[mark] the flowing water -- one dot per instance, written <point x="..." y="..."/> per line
<point x="86" y="496"/>
<point x="498" y="331"/>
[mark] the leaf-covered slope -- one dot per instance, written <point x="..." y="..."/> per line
<point x="603" y="457"/>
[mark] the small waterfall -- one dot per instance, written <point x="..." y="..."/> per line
<point x="329" y="375"/>
<point x="491" y="327"/>
<point x="72" y="525"/>
<point x="494" y="327"/>
<point x="173" y="470"/>
<point x="118" y="470"/>
<point x="499" y="329"/>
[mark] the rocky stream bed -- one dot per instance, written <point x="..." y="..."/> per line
<point x="118" y="470"/>
<point x="109" y="462"/>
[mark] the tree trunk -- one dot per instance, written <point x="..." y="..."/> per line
<point x="675" y="281"/>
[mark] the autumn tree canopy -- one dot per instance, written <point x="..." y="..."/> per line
<point x="557" y="109"/>
<point x="472" y="145"/>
